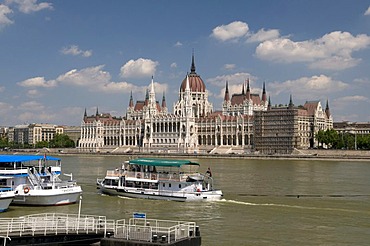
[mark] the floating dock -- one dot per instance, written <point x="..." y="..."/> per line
<point x="74" y="229"/>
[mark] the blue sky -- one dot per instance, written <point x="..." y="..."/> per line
<point x="59" y="57"/>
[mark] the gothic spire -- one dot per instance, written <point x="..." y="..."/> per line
<point x="243" y="93"/>
<point x="131" y="103"/>
<point x="264" y="92"/>
<point x="192" y="69"/>
<point x="164" y="101"/>
<point x="147" y="98"/>
<point x="327" y="110"/>
<point x="97" y="111"/>
<point x="269" y="104"/>
<point x="227" y="96"/>
<point x="248" y="90"/>
<point x="290" y="102"/>
<point x="85" y="114"/>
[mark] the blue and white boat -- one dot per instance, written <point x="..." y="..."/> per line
<point x="6" y="197"/>
<point x="35" y="180"/>
<point x="162" y="179"/>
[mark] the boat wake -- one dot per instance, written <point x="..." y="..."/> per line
<point x="290" y="206"/>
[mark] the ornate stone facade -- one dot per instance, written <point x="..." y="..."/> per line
<point x="192" y="127"/>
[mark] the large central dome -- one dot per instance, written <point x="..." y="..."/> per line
<point x="196" y="84"/>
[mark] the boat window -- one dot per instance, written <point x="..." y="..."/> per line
<point x="169" y="185"/>
<point x="180" y="186"/>
<point x="164" y="185"/>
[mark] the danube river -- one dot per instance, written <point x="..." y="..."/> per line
<point x="266" y="202"/>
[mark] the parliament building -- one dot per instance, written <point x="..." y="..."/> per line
<point x="246" y="123"/>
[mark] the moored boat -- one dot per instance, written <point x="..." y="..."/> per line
<point x="35" y="181"/>
<point x="162" y="179"/>
<point x="6" y="197"/>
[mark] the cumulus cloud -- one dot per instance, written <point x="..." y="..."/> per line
<point x="37" y="82"/>
<point x="229" y="66"/>
<point x="263" y="35"/>
<point x="2" y="88"/>
<point x="173" y="65"/>
<point x="4" y="11"/>
<point x="31" y="106"/>
<point x="232" y="31"/>
<point x="178" y="44"/>
<point x="315" y="86"/>
<point x="236" y="78"/>
<point x="139" y="68"/>
<point x="29" y="6"/>
<point x="332" y="51"/>
<point x="75" y="51"/>
<point x="33" y="93"/>
<point x="367" y="12"/>
<point x="90" y="76"/>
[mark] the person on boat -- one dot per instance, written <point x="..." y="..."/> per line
<point x="209" y="173"/>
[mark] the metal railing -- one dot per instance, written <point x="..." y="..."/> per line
<point x="54" y="223"/>
<point x="139" y="229"/>
<point x="152" y="230"/>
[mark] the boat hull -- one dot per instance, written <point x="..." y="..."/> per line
<point x="179" y="196"/>
<point x="48" y="197"/>
<point x="5" y="199"/>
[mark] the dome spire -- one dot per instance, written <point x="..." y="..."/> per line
<point x="192" y="69"/>
<point x="227" y="96"/>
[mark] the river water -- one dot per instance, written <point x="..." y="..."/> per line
<point x="266" y="202"/>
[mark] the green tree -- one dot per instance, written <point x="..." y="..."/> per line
<point x="61" y="141"/>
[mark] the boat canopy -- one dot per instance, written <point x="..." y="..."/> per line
<point x="23" y="158"/>
<point x="162" y="162"/>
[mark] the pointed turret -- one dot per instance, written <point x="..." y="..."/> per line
<point x="152" y="93"/>
<point x="248" y="90"/>
<point x="97" y="111"/>
<point x="227" y="96"/>
<point x="192" y="68"/>
<point x="264" y="92"/>
<point x="85" y="114"/>
<point x="164" y="102"/>
<point x="290" y="102"/>
<point x="146" y="98"/>
<point x="131" y="103"/>
<point x="187" y="87"/>
<point x="243" y="92"/>
<point x="327" y="110"/>
<point x="269" y="104"/>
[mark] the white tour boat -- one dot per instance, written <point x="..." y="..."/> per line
<point x="6" y="197"/>
<point x="36" y="182"/>
<point x="162" y="179"/>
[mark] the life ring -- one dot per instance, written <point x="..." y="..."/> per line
<point x="198" y="190"/>
<point x="26" y="190"/>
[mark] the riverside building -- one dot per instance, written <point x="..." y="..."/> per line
<point x="193" y="127"/>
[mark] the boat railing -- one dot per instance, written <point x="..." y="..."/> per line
<point x="35" y="180"/>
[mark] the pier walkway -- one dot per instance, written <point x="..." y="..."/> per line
<point x="73" y="229"/>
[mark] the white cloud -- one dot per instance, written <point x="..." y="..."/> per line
<point x="29" y="6"/>
<point x="37" y="82"/>
<point x="75" y="51"/>
<point x="367" y="11"/>
<point x="263" y="35"/>
<point x="315" y="86"/>
<point x="229" y="66"/>
<point x="173" y="65"/>
<point x="119" y="87"/>
<point x="4" y="11"/>
<point x="2" y="88"/>
<point x="232" y="31"/>
<point x="332" y="51"/>
<point x="31" y="106"/>
<point x="33" y="93"/>
<point x="139" y="68"/>
<point x="178" y="44"/>
<point x="31" y="117"/>
<point x="89" y="77"/>
<point x="236" y="78"/>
